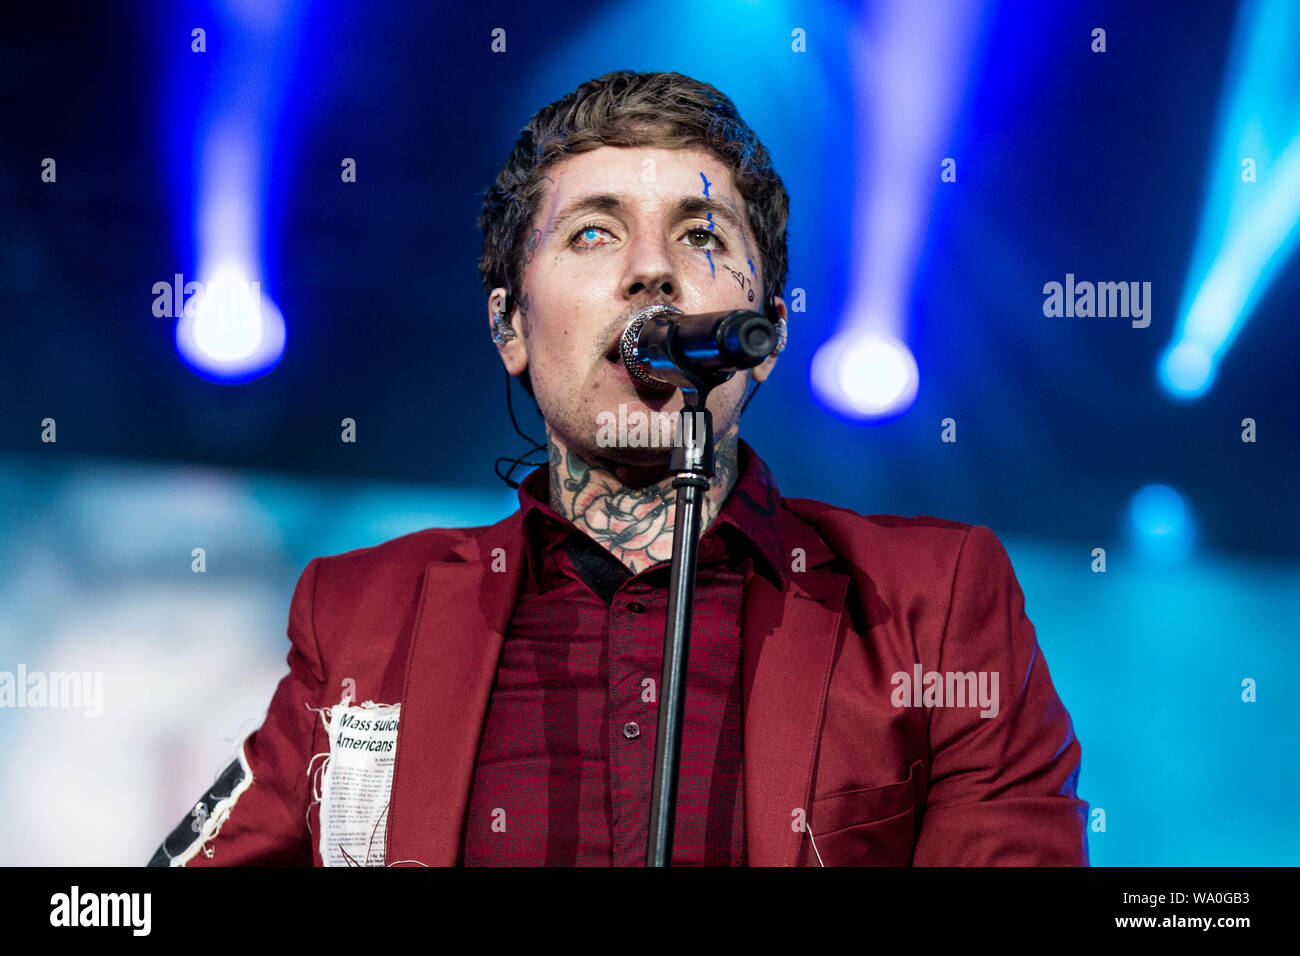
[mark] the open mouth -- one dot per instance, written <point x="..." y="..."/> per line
<point x="614" y="353"/>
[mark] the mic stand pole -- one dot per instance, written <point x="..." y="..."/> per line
<point x="693" y="463"/>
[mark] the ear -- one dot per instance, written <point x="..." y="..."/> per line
<point x="513" y="351"/>
<point x="764" y="368"/>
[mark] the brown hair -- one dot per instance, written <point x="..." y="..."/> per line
<point x="624" y="108"/>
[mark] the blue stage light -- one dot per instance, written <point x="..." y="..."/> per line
<point x="865" y="375"/>
<point x="911" y="69"/>
<point x="231" y="330"/>
<point x="1250" y="224"/>
<point x="1161" y="524"/>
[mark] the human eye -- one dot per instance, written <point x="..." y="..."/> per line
<point x="705" y="234"/>
<point x="589" y="233"/>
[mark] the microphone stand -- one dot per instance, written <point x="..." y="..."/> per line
<point x="693" y="462"/>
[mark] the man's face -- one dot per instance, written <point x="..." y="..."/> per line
<point x="618" y="229"/>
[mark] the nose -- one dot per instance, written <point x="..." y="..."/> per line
<point x="650" y="269"/>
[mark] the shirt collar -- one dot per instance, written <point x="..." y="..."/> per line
<point x="748" y="517"/>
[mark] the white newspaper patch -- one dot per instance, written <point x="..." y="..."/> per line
<point x="357" y="782"/>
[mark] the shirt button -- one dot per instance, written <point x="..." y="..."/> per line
<point x="636" y="608"/>
<point x="631" y="730"/>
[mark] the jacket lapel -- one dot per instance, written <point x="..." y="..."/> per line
<point x="788" y="652"/>
<point x="460" y="627"/>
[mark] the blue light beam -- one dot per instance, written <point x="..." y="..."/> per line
<point x="232" y="331"/>
<point x="912" y="62"/>
<point x="1249" y="222"/>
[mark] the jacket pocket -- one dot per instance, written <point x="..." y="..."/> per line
<point x="875" y="826"/>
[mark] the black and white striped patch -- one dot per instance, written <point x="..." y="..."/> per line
<point x="206" y="818"/>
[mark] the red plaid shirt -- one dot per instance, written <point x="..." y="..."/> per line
<point x="566" y="760"/>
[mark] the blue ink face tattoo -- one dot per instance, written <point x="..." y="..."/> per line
<point x="709" y="255"/>
<point x="707" y="184"/>
<point x="710" y="220"/>
<point x="751" y="268"/>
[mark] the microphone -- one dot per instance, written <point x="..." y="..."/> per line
<point x="664" y="348"/>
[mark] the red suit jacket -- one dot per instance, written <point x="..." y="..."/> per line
<point x="834" y="772"/>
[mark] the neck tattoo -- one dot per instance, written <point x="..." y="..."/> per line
<point x="632" y="521"/>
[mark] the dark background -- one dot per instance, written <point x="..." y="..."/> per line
<point x="1069" y="161"/>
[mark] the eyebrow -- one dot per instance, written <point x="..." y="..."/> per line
<point x="699" y="206"/>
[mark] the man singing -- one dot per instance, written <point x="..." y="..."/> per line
<point x="860" y="690"/>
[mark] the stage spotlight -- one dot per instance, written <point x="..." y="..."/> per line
<point x="865" y="375"/>
<point x="1250" y="223"/>
<point x="1161" y="525"/>
<point x="1187" y="370"/>
<point x="230" y="331"/>
<point x="910" y="70"/>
